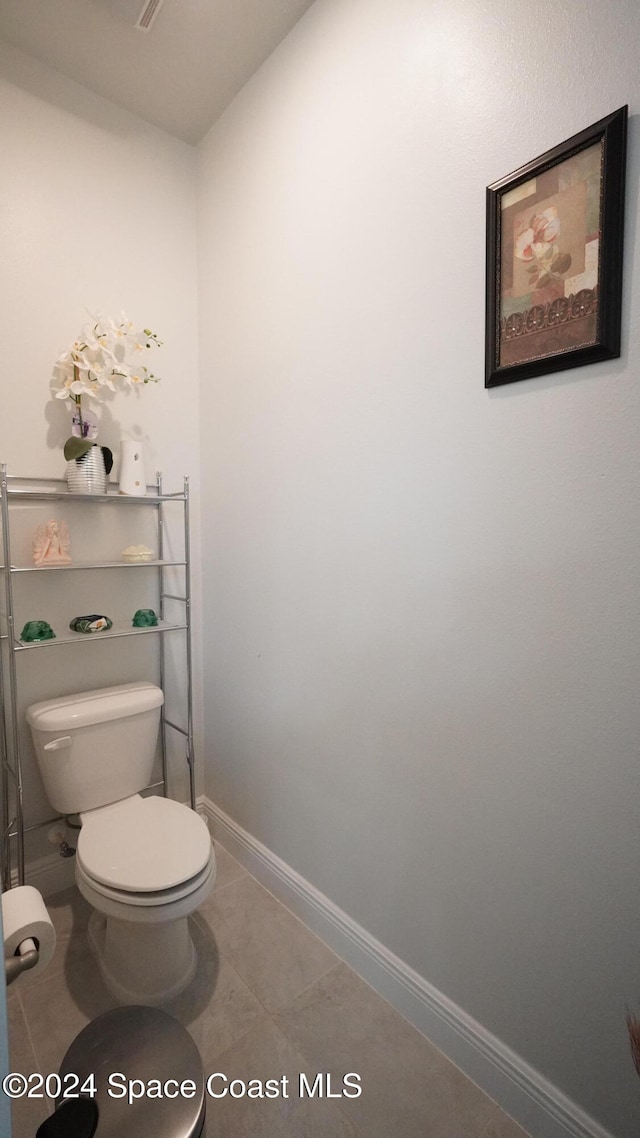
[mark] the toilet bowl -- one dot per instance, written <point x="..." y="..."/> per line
<point x="144" y="864"/>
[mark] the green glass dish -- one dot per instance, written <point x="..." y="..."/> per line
<point x="36" y="630"/>
<point x="144" y="618"/>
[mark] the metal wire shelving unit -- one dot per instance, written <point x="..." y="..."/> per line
<point x="14" y="489"/>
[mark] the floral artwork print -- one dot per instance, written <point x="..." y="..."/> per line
<point x="555" y="244"/>
<point x="549" y="260"/>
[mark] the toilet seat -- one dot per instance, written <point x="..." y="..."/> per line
<point x="147" y="899"/>
<point x="146" y="851"/>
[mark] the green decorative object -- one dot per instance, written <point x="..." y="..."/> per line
<point x="93" y="623"/>
<point x="144" y="618"/>
<point x="36" y="630"/>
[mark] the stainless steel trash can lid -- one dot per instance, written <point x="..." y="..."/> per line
<point x="131" y="1048"/>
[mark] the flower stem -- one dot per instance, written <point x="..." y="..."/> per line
<point x="78" y="402"/>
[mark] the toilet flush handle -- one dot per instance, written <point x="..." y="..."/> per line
<point x="58" y="744"/>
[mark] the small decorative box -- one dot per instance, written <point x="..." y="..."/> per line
<point x="93" y="623"/>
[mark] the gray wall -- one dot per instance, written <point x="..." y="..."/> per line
<point x="421" y="599"/>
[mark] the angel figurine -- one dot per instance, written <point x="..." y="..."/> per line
<point x="51" y="544"/>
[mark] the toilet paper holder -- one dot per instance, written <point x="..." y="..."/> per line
<point x="26" y="956"/>
<point x="28" y="932"/>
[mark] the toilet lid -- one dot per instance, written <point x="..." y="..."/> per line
<point x="143" y="845"/>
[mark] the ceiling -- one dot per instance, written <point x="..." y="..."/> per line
<point x="180" y="75"/>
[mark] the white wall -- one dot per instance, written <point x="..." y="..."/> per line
<point x="421" y="598"/>
<point x="97" y="211"/>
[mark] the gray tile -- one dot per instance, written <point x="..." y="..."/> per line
<point x="253" y="954"/>
<point x="273" y="952"/>
<point x="21" y="1054"/>
<point x="69" y="914"/>
<point x="58" y="1008"/>
<point x="264" y="1054"/>
<point x="26" y="1113"/>
<point x="242" y="899"/>
<point x="227" y="868"/>
<point x="408" y="1087"/>
<point x="217" y="1007"/>
<point x="501" y="1126"/>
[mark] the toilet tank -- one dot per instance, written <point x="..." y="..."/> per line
<point x="96" y="747"/>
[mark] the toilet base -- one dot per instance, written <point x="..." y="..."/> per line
<point x="142" y="964"/>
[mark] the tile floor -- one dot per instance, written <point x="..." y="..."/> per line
<point x="269" y="999"/>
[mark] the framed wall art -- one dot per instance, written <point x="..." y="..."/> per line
<point x="554" y="257"/>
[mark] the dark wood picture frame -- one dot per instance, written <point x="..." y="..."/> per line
<point x="554" y="257"/>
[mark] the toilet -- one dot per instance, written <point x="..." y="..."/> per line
<point x="143" y="863"/>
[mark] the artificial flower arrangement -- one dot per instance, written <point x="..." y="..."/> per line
<point x="107" y="354"/>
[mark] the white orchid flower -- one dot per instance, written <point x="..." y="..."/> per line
<point x="102" y="358"/>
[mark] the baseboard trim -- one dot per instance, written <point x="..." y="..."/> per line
<point x="49" y="874"/>
<point x="535" y="1103"/>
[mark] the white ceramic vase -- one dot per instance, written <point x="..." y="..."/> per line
<point x="132" y="478"/>
<point x="87" y="475"/>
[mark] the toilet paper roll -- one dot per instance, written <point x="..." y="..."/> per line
<point x="24" y="915"/>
